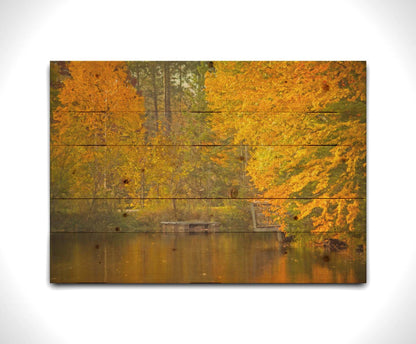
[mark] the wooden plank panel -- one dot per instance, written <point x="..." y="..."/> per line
<point x="204" y="171"/>
<point x="200" y="258"/>
<point x="270" y="156"/>
<point x="235" y="215"/>
<point x="194" y="128"/>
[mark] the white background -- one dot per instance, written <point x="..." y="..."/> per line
<point x="35" y="32"/>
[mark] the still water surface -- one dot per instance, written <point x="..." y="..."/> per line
<point x="197" y="258"/>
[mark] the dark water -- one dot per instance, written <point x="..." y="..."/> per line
<point x="198" y="258"/>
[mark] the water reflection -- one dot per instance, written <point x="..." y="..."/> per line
<point x="197" y="258"/>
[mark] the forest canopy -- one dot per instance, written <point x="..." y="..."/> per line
<point x="206" y="140"/>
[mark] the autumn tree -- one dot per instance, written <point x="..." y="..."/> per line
<point x="305" y="122"/>
<point x="176" y="119"/>
<point x="98" y="107"/>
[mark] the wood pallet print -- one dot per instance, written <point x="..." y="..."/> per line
<point x="208" y="172"/>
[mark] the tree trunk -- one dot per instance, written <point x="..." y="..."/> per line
<point x="155" y="97"/>
<point x="168" y="113"/>
<point x="142" y="187"/>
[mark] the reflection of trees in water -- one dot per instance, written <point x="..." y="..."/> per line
<point x="187" y="258"/>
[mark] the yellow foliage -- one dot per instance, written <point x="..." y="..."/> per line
<point x="98" y="106"/>
<point x="280" y="108"/>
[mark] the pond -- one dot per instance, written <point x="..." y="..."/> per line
<point x="199" y="258"/>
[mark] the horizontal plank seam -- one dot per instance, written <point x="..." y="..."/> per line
<point x="207" y="198"/>
<point x="217" y="232"/>
<point x="204" y="145"/>
<point x="202" y="111"/>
